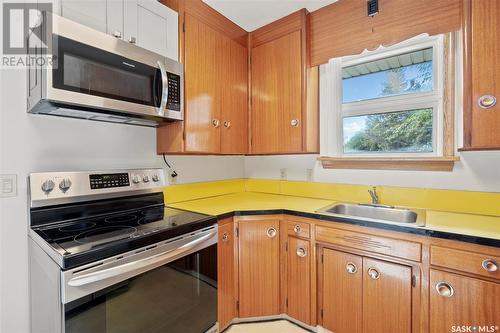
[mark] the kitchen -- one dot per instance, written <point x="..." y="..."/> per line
<point x="284" y="115"/>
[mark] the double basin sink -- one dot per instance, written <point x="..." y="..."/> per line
<point x="376" y="213"/>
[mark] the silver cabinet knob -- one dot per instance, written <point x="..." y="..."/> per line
<point x="132" y="40"/>
<point x="271" y="232"/>
<point x="136" y="179"/>
<point x="294" y="123"/>
<point x="215" y="123"/>
<point x="490" y="265"/>
<point x="351" y="268"/>
<point x="297" y="229"/>
<point x="65" y="185"/>
<point x="155" y="178"/>
<point x="444" y="289"/>
<point x="227" y="124"/>
<point x="48" y="186"/>
<point x="145" y="179"/>
<point x="301" y="252"/>
<point x="117" y="34"/>
<point x="487" y="101"/>
<point x="373" y="273"/>
<point x="225" y="237"/>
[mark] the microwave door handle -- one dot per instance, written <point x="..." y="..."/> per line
<point x="139" y="266"/>
<point x="164" y="89"/>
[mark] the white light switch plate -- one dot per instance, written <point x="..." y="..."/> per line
<point x="8" y="186"/>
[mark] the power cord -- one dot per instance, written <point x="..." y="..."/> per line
<point x="173" y="173"/>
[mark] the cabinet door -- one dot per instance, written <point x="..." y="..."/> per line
<point x="342" y="292"/>
<point x="227" y="274"/>
<point x="387" y="298"/>
<point x="259" y="268"/>
<point x="89" y="13"/>
<point x="299" y="280"/>
<point x="233" y="85"/>
<point x="276" y="95"/>
<point x="114" y="24"/>
<point x="157" y="28"/>
<point x="485" y="73"/>
<point x="202" y="116"/>
<point x="457" y="300"/>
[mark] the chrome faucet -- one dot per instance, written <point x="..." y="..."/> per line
<point x="373" y="194"/>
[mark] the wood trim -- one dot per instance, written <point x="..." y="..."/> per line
<point x="279" y="28"/>
<point x="406" y="163"/>
<point x="467" y="72"/>
<point x="449" y="96"/>
<point x="343" y="28"/>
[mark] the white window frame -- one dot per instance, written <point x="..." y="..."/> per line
<point x="333" y="110"/>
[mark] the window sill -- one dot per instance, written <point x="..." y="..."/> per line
<point x="390" y="163"/>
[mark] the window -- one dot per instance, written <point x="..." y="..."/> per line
<point x="385" y="103"/>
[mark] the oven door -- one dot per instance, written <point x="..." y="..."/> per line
<point x="171" y="289"/>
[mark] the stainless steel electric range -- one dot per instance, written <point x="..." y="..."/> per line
<point x="106" y="255"/>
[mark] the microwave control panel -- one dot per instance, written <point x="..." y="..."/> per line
<point x="174" y="92"/>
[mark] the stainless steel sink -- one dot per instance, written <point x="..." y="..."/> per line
<point x="378" y="213"/>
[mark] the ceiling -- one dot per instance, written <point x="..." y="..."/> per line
<point x="253" y="14"/>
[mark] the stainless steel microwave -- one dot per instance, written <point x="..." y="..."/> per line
<point x="89" y="74"/>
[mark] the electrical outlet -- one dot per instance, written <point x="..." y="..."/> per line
<point x="8" y="186"/>
<point x="283" y="174"/>
<point x="309" y="175"/>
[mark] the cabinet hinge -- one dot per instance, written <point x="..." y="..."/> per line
<point x="321" y="313"/>
<point x="322" y="257"/>
<point x="413" y="281"/>
<point x="286" y="246"/>
<point x="237" y="232"/>
<point x="237" y="305"/>
<point x="286" y="302"/>
<point x="183" y="26"/>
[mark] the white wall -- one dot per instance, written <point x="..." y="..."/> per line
<point x="476" y="171"/>
<point x="33" y="143"/>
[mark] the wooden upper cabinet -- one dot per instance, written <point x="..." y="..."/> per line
<point x="282" y="108"/>
<point x="259" y="268"/>
<point x="233" y="81"/>
<point x="202" y="108"/>
<point x="457" y="300"/>
<point x="482" y="74"/>
<point x="215" y="57"/>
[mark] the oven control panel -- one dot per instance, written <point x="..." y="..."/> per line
<point x="108" y="180"/>
<point x="62" y="187"/>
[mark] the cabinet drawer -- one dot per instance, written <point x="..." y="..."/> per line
<point x="377" y="244"/>
<point x="470" y="262"/>
<point x="298" y="229"/>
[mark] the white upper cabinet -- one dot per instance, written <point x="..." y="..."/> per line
<point x="146" y="23"/>
<point x="89" y="13"/>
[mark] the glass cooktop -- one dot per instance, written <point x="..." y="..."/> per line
<point x="88" y="239"/>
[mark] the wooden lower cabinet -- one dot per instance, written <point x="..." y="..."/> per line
<point x="342" y="292"/>
<point x="365" y="295"/>
<point x="299" y="279"/>
<point x="227" y="273"/>
<point x="259" y="268"/>
<point x="457" y="300"/>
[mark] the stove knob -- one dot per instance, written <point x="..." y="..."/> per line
<point x="48" y="186"/>
<point x="136" y="179"/>
<point x="145" y="179"/>
<point x="155" y="178"/>
<point x="65" y="184"/>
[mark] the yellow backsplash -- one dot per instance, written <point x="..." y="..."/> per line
<point x="484" y="203"/>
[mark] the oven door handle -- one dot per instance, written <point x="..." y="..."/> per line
<point x="164" y="89"/>
<point x="139" y="266"/>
